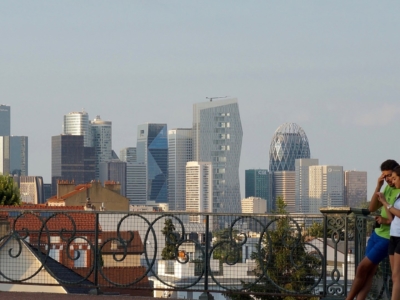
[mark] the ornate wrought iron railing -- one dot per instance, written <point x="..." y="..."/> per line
<point x="185" y="255"/>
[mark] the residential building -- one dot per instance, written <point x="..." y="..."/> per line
<point x="326" y="187"/>
<point x="217" y="138"/>
<point x="19" y="155"/>
<point x="92" y="196"/>
<point x="70" y="160"/>
<point x="152" y="151"/>
<point x="199" y="188"/>
<point x="31" y="189"/>
<point x="77" y="123"/>
<point x="179" y="153"/>
<point x="302" y="183"/>
<point x="355" y="184"/>
<point x="258" y="183"/>
<point x="288" y="143"/>
<point x="101" y="132"/>
<point x="284" y="187"/>
<point x="114" y="170"/>
<point x="5" y="120"/>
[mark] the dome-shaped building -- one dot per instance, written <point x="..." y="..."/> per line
<point x="288" y="143"/>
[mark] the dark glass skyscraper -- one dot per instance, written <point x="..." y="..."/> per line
<point x="5" y="120"/>
<point x="258" y="183"/>
<point x="152" y="150"/>
<point x="70" y="160"/>
<point x="288" y="143"/>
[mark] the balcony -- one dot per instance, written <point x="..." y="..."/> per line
<point x="165" y="255"/>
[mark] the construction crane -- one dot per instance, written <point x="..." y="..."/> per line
<point x="211" y="98"/>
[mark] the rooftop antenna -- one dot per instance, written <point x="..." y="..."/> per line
<point x="211" y="98"/>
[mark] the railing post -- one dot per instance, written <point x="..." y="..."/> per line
<point x="335" y="225"/>
<point x="206" y="295"/>
<point x="96" y="290"/>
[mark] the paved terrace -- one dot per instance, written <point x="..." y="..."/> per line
<point x="48" y="296"/>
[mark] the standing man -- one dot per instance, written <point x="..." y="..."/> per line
<point x="378" y="243"/>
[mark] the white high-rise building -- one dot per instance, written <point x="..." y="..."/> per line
<point x="4" y="155"/>
<point x="217" y="138"/>
<point x="179" y="153"/>
<point x="284" y="186"/>
<point x="302" y="183"/>
<point x="31" y="189"/>
<point x="101" y="132"/>
<point x="326" y="187"/>
<point x="77" y="123"/>
<point x="355" y="183"/>
<point x="199" y="189"/>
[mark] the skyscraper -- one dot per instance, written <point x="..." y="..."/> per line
<point x="128" y="154"/>
<point x="152" y="150"/>
<point x="31" y="189"/>
<point x="114" y="170"/>
<point x="284" y="183"/>
<point x="19" y="155"/>
<point x="134" y="193"/>
<point x="4" y="155"/>
<point x="288" y="143"/>
<point x="326" y="187"/>
<point x="179" y="153"/>
<point x="5" y="120"/>
<point x="77" y="123"/>
<point x="258" y="183"/>
<point x="101" y="134"/>
<point x="70" y="160"/>
<point x="217" y="138"/>
<point x="302" y="183"/>
<point x="355" y="184"/>
<point x="199" y="189"/>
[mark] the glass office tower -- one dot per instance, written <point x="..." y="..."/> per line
<point x="288" y="143"/>
<point x="70" y="160"/>
<point x="217" y="138"/>
<point x="152" y="150"/>
<point x="258" y="183"/>
<point x="77" y="123"/>
<point x="179" y="153"/>
<point x="19" y="155"/>
<point x="5" y="120"/>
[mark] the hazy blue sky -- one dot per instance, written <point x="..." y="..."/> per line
<point x="330" y="66"/>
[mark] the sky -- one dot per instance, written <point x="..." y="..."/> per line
<point x="332" y="67"/>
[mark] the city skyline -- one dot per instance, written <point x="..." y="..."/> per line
<point x="332" y="68"/>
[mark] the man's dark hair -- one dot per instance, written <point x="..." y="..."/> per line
<point x="397" y="170"/>
<point x="389" y="165"/>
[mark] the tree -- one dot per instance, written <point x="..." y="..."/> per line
<point x="284" y="266"/>
<point x="9" y="191"/>
<point x="171" y="238"/>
